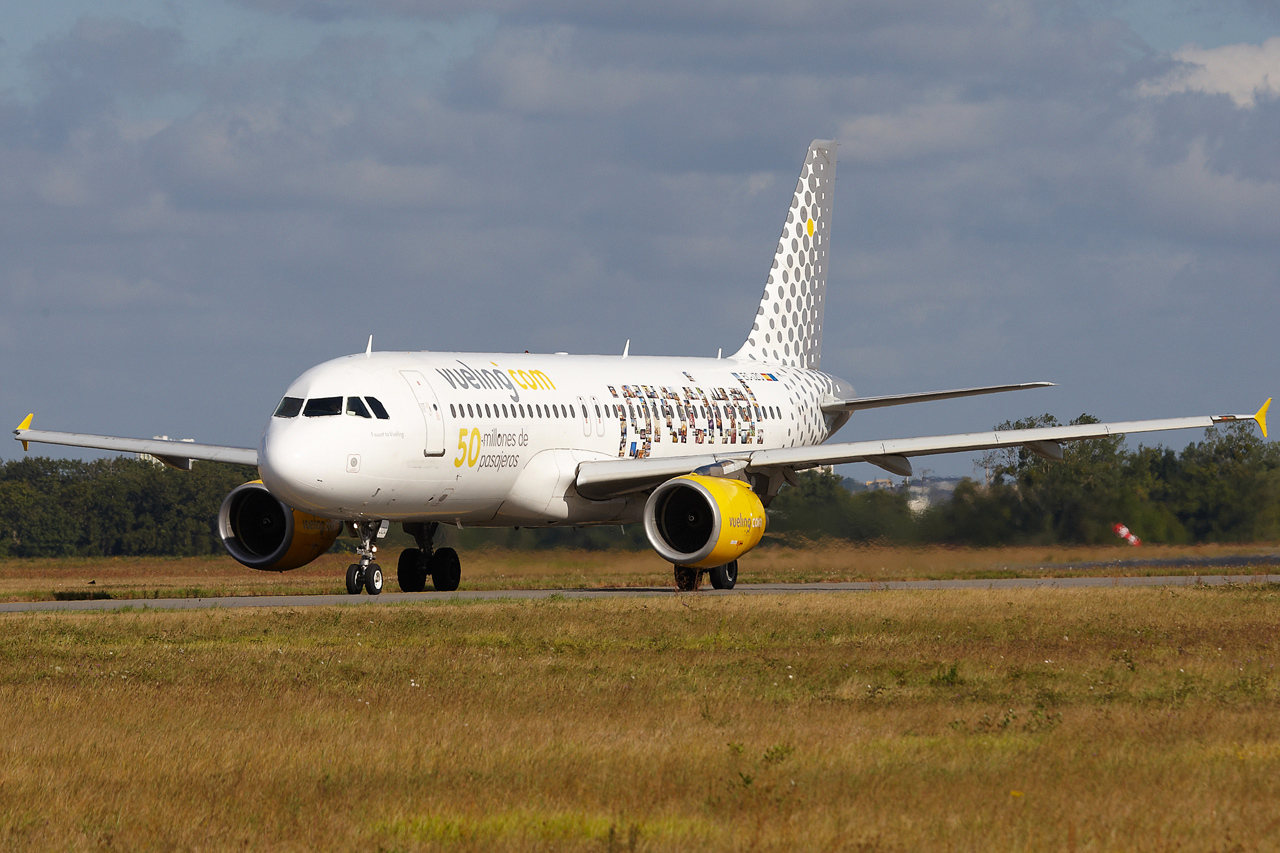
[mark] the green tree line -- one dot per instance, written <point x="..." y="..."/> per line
<point x="1221" y="489"/>
<point x="112" y="507"/>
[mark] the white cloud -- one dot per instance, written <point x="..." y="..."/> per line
<point x="920" y="130"/>
<point x="1244" y="72"/>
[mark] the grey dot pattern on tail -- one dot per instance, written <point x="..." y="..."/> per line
<point x="788" y="324"/>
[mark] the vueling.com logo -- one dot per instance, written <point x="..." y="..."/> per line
<point x="486" y="379"/>
<point x="749" y="521"/>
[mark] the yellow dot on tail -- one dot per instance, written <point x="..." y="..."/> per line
<point x="810" y="227"/>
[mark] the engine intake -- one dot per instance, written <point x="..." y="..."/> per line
<point x="702" y="521"/>
<point x="263" y="533"/>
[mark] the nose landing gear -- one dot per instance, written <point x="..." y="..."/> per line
<point x="365" y="574"/>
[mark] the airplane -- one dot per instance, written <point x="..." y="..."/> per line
<point x="694" y="448"/>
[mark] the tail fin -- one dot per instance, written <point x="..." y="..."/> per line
<point x="788" y="324"/>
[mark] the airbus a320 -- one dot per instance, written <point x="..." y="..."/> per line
<point x="695" y="448"/>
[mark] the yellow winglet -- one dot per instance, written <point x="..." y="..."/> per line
<point x="1261" y="417"/>
<point x="26" y="424"/>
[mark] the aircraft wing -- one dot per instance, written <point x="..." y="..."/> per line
<point x="622" y="476"/>
<point x="175" y="454"/>
<point x="1045" y="441"/>
<point x="855" y="404"/>
<point x="612" y="477"/>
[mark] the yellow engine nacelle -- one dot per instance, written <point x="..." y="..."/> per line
<point x="262" y="533"/>
<point x="702" y="521"/>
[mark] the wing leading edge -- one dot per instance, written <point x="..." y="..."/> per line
<point x="176" y="454"/>
<point x="622" y="476"/>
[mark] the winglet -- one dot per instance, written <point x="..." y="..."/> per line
<point x="1261" y="417"/>
<point x="26" y="424"/>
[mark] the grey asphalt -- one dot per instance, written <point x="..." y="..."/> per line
<point x="622" y="592"/>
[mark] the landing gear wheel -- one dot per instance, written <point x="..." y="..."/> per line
<point x="687" y="578"/>
<point x="724" y="577"/>
<point x="373" y="579"/>
<point x="446" y="570"/>
<point x="411" y="571"/>
<point x="353" y="579"/>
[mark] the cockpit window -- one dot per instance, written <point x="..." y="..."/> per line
<point x="355" y="406"/>
<point x="320" y="406"/>
<point x="379" y="410"/>
<point x="288" y="408"/>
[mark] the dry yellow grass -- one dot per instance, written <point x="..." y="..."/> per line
<point x="1100" y="719"/>
<point x="29" y="580"/>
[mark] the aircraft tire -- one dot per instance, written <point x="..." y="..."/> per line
<point x="446" y="570"/>
<point x="411" y="571"/>
<point x="687" y="578"/>
<point x="354" y="584"/>
<point x="724" y="577"/>
<point x="373" y="579"/>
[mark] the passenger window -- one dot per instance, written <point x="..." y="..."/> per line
<point x="288" y="408"/>
<point x="379" y="411"/>
<point x="470" y="412"/>
<point x="486" y="410"/>
<point x="322" y="407"/>
<point x="355" y="406"/>
<point x="452" y="413"/>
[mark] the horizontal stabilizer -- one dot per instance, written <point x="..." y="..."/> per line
<point x="859" y="403"/>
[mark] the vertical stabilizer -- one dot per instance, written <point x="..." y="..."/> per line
<point x="788" y="323"/>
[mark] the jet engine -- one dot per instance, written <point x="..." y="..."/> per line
<point x="702" y="521"/>
<point x="262" y="533"/>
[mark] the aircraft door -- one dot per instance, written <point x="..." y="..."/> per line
<point x="586" y="417"/>
<point x="595" y="406"/>
<point x="431" y="414"/>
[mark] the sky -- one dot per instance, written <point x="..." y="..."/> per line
<point x="200" y="200"/>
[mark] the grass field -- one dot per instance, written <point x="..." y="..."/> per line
<point x="1100" y="719"/>
<point x="32" y="580"/>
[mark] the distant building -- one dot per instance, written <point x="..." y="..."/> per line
<point x="147" y="457"/>
<point x="925" y="492"/>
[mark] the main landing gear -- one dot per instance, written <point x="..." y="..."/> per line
<point x="417" y="563"/>
<point x="365" y="574"/>
<point x="689" y="579"/>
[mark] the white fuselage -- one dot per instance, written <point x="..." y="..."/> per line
<point x="490" y="439"/>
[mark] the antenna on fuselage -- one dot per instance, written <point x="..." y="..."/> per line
<point x="627" y="348"/>
<point x="368" y="350"/>
<point x="719" y="352"/>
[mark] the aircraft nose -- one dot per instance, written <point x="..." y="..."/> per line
<point x="288" y="467"/>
